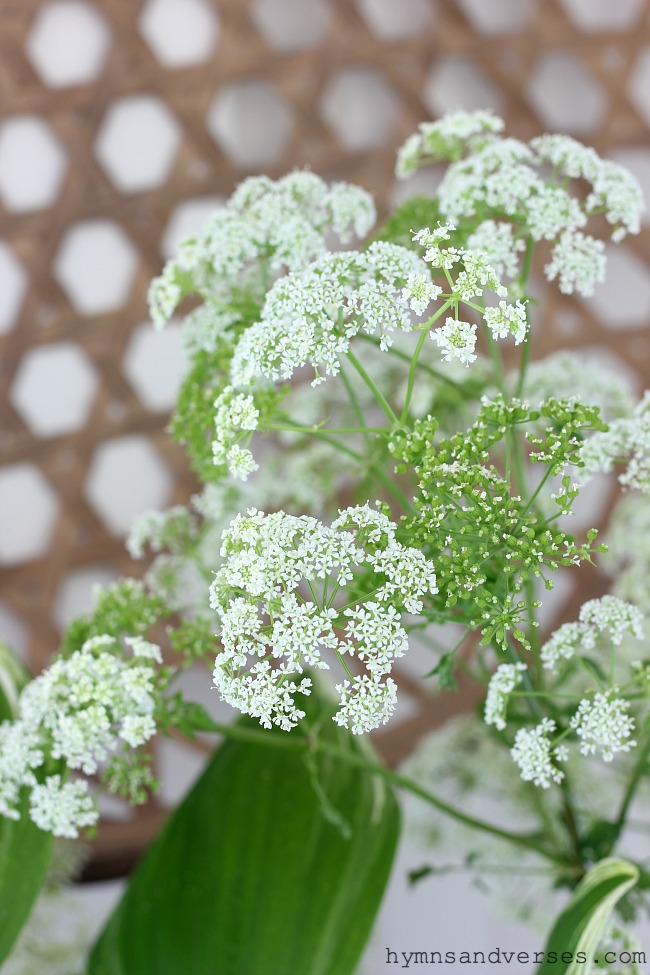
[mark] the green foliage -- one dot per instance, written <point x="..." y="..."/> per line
<point x="122" y="608"/>
<point x="253" y="874"/>
<point x="414" y="213"/>
<point x="192" y="423"/>
<point x="25" y="850"/>
<point x="582" y="924"/>
<point x="486" y="540"/>
<point x="194" y="638"/>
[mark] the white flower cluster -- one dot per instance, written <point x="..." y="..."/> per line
<point x="236" y="415"/>
<point x="490" y="175"/>
<point x="274" y="226"/>
<point x="602" y="723"/>
<point x="496" y="240"/>
<point x="158" y="530"/>
<point x="474" y="273"/>
<point x="310" y="317"/>
<point x="445" y="139"/>
<point x="629" y="565"/>
<point x="563" y="375"/>
<point x="79" y="711"/>
<point x="503" y="681"/>
<point x="276" y="594"/>
<point x="535" y="756"/>
<point x="626" y="440"/>
<point x="456" y="340"/>
<point x="609" y="615"/>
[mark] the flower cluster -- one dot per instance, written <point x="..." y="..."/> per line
<point x="504" y="680"/>
<point x="266" y="228"/>
<point x="473" y="274"/>
<point x="626" y="440"/>
<point x="491" y="176"/>
<point x="310" y="317"/>
<point x="603" y="723"/>
<point x="81" y="710"/>
<point x="609" y="615"/>
<point x="534" y="754"/>
<point x="563" y="374"/>
<point x="276" y="594"/>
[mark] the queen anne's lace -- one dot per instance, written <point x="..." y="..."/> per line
<point x="494" y="176"/>
<point x="310" y="318"/>
<point x="80" y="710"/>
<point x="533" y="753"/>
<point x="266" y="226"/>
<point x="276" y="594"/>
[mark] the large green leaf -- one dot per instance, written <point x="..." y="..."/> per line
<point x="272" y="865"/>
<point x="582" y="924"/>
<point x="25" y="850"/>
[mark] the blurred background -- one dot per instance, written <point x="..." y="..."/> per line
<point x="124" y="122"/>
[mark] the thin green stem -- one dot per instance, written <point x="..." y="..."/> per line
<point x="632" y="785"/>
<point x="356" y="405"/>
<point x="376" y="392"/>
<point x="401" y="782"/>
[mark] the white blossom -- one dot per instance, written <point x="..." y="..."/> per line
<point x="310" y="317"/>
<point x="614" y="616"/>
<point x="80" y="710"/>
<point x="507" y="319"/>
<point x="445" y="139"/>
<point x="365" y="703"/>
<point x="62" y="808"/>
<point x="500" y="246"/>
<point x="578" y="260"/>
<point x="503" y="681"/>
<point x="602" y="724"/>
<point x="565" y="642"/>
<point x="533" y="753"/>
<point x="276" y="596"/>
<point x="420" y="292"/>
<point x="626" y="440"/>
<point x="235" y="416"/>
<point x="456" y="340"/>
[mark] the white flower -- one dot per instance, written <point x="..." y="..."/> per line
<point x="62" y="808"/>
<point x="235" y="415"/>
<point x="310" y="318"/>
<point x="507" y="319"/>
<point x="80" y="710"/>
<point x="445" y="139"/>
<point x="503" y="681"/>
<point x="564" y="643"/>
<point x="614" y="616"/>
<point x="627" y="439"/>
<point x="419" y="292"/>
<point x="501" y="248"/>
<point x="552" y="211"/>
<point x="457" y="340"/>
<point x="271" y="631"/>
<point x="532" y="752"/>
<point x="579" y="262"/>
<point x="365" y="703"/>
<point x="602" y="723"/>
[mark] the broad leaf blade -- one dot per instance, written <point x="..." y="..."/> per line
<point x="251" y="876"/>
<point x="581" y="926"/>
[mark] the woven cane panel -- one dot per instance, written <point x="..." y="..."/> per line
<point x="124" y="122"/>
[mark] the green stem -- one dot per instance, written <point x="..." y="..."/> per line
<point x="407" y="358"/>
<point x="401" y="782"/>
<point x="376" y="392"/>
<point x="632" y="785"/>
<point x="356" y="406"/>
